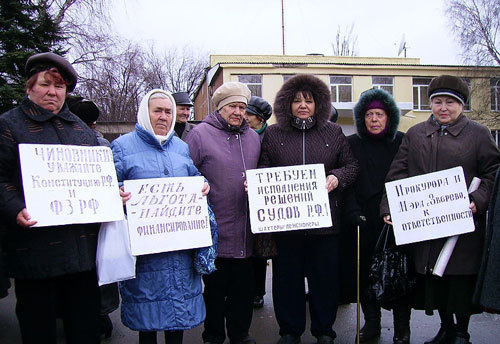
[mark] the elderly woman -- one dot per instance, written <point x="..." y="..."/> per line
<point x="449" y="139"/>
<point x="166" y="294"/>
<point x="303" y="135"/>
<point x="52" y="266"/>
<point x="375" y="144"/>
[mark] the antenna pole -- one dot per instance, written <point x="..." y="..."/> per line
<point x="283" y="25"/>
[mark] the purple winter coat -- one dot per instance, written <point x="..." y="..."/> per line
<point x="223" y="156"/>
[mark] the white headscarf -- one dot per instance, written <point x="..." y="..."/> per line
<point x="143" y="115"/>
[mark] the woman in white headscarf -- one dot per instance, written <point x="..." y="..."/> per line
<point x="166" y="294"/>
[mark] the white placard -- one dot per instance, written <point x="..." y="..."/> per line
<point x="430" y="206"/>
<point x="288" y="198"/>
<point x="167" y="214"/>
<point x="69" y="184"/>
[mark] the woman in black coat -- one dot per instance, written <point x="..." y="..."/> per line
<point x="303" y="135"/>
<point x="377" y="140"/>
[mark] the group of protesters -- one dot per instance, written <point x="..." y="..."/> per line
<point x="54" y="267"/>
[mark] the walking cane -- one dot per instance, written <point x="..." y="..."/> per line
<point x="357" y="289"/>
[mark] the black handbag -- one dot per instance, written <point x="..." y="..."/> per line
<point x="391" y="276"/>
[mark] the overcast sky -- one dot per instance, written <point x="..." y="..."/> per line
<point x="254" y="26"/>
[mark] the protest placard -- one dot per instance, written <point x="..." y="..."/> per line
<point x="167" y="214"/>
<point x="430" y="206"/>
<point x="288" y="198"/>
<point x="69" y="184"/>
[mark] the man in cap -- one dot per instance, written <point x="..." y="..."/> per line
<point x="183" y="107"/>
<point x="223" y="147"/>
<point x="53" y="267"/>
<point x="257" y="113"/>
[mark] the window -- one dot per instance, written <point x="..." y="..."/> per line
<point x="495" y="94"/>
<point x="496" y="136"/>
<point x="287" y="76"/>
<point x="420" y="88"/>
<point x="341" y="88"/>
<point x="383" y="82"/>
<point x="254" y="83"/>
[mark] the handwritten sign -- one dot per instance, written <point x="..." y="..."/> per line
<point x="430" y="206"/>
<point x="69" y="184"/>
<point x="167" y="214"/>
<point x="288" y="198"/>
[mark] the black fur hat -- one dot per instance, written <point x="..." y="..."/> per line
<point x="393" y="112"/>
<point x="299" y="83"/>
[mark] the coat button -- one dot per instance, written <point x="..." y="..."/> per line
<point x="165" y="172"/>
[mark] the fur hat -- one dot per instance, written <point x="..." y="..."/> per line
<point x="260" y="107"/>
<point x="45" y="61"/>
<point x="182" y="98"/>
<point x="231" y="92"/>
<point x="86" y="109"/>
<point x="374" y="96"/>
<point x="448" y="85"/>
<point x="300" y="83"/>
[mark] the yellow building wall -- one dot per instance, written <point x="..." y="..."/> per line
<point x="272" y="68"/>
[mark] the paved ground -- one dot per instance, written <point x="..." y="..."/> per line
<point x="484" y="328"/>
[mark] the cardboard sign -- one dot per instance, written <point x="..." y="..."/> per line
<point x="167" y="214"/>
<point x="430" y="206"/>
<point x="69" y="184"/>
<point x="288" y="198"/>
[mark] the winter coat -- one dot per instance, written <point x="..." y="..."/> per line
<point x="49" y="251"/>
<point x="374" y="155"/>
<point x="319" y="142"/>
<point x="428" y="148"/>
<point x="487" y="291"/>
<point x="223" y="155"/>
<point x="187" y="128"/>
<point x="167" y="291"/>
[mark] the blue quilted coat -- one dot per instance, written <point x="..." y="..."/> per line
<point x="167" y="291"/>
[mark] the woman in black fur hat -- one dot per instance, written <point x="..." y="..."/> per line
<point x="377" y="139"/>
<point x="303" y="135"/>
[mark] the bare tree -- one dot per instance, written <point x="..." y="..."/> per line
<point x="477" y="26"/>
<point x="82" y="21"/>
<point x="174" y="70"/>
<point x="116" y="83"/>
<point x="346" y="42"/>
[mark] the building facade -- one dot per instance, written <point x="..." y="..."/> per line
<point x="405" y="78"/>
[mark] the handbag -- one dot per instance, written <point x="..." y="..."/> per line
<point x="391" y="275"/>
<point x="114" y="259"/>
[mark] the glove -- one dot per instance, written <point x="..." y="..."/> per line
<point x="357" y="219"/>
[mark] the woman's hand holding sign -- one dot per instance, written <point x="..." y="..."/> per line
<point x="331" y="182"/>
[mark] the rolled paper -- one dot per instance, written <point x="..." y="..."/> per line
<point x="449" y="245"/>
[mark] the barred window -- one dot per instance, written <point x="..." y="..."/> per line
<point x="254" y="83"/>
<point x="383" y="82"/>
<point x="341" y="88"/>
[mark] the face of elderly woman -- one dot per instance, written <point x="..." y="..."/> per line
<point x="303" y="107"/>
<point x="233" y="113"/>
<point x="160" y="115"/>
<point x="446" y="109"/>
<point x="375" y="120"/>
<point x="48" y="91"/>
